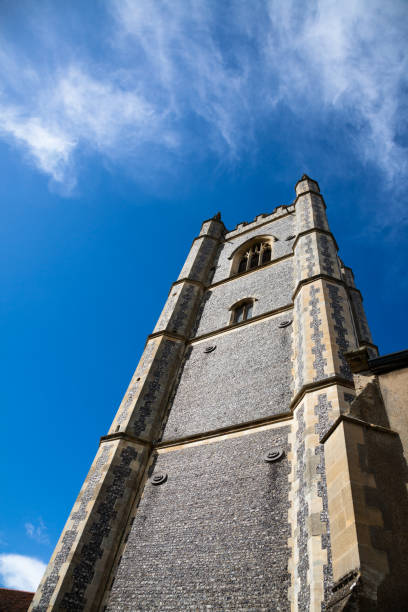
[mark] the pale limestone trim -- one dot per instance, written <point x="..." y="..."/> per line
<point x="234" y="431"/>
<point x="351" y="419"/>
<point x="167" y="334"/>
<point x="233" y="326"/>
<point x="313" y="230"/>
<point x="241" y="274"/>
<point x="317" y="386"/>
<point x="312" y="279"/>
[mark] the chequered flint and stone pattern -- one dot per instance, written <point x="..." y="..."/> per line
<point x="179" y="310"/>
<point x="318" y="348"/>
<point x="310" y="213"/>
<point x="199" y="259"/>
<point x="136" y="384"/>
<point x="212" y="228"/>
<point x="342" y="325"/>
<point x="323" y="409"/>
<point x="247" y="377"/>
<point x="312" y="559"/>
<point x="299" y="344"/>
<point x="364" y="334"/>
<point x="142" y="409"/>
<point x="215" y="534"/>
<point x="329" y="263"/>
<point x="347" y="276"/>
<point x="307" y="257"/>
<point x="324" y="332"/>
<point x="302" y="560"/>
<point x="146" y="417"/>
<point x="304" y="217"/>
<point x="95" y="523"/>
<point x="271" y="287"/>
<point x="319" y="212"/>
<point x="69" y="536"/>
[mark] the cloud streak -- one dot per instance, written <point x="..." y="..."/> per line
<point x="21" y="572"/>
<point x="37" y="532"/>
<point x="204" y="77"/>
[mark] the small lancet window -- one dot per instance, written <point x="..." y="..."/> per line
<point x="242" y="311"/>
<point x="260" y="253"/>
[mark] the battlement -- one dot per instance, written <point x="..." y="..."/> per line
<point x="302" y="187"/>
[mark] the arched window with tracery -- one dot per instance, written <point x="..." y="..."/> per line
<point x="258" y="253"/>
<point x="241" y="311"/>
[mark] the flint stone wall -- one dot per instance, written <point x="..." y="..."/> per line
<point x="272" y="287"/>
<point x="247" y="377"/>
<point x="214" y="535"/>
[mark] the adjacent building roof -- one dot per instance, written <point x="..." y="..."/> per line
<point x="12" y="600"/>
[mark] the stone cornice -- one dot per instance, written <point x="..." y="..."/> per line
<point x="312" y="279"/>
<point x="311" y="191"/>
<point x="389" y="363"/>
<point x="233" y="326"/>
<point x="215" y="433"/>
<point x="167" y="334"/>
<point x="261" y="267"/>
<point x="122" y="435"/>
<point x="311" y="231"/>
<point x="188" y="280"/>
<point x="220" y="239"/>
<point x="319" y="384"/>
<point x="351" y="419"/>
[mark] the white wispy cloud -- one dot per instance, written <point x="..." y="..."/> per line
<point x="197" y="76"/>
<point x="21" y="572"/>
<point x="37" y="532"/>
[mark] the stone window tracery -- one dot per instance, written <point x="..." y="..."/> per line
<point x="258" y="254"/>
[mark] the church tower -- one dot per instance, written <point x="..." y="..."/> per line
<point x="226" y="479"/>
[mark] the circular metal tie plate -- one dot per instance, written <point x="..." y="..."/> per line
<point x="159" y="479"/>
<point x="273" y="455"/>
<point x="284" y="323"/>
<point x="210" y="349"/>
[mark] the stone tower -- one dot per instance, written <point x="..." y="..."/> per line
<point x="227" y="480"/>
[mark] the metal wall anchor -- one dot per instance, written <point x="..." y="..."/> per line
<point x="158" y="479"/>
<point x="273" y="455"/>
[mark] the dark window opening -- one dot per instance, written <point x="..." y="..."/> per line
<point x="242" y="312"/>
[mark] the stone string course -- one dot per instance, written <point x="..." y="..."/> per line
<point x="272" y="288"/>
<point x="279" y="229"/>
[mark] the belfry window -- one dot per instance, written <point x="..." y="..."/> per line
<point x="259" y="253"/>
<point x="242" y="311"/>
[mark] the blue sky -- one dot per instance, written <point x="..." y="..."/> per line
<point x="123" y="125"/>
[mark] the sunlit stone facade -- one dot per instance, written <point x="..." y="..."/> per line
<point x="240" y="471"/>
